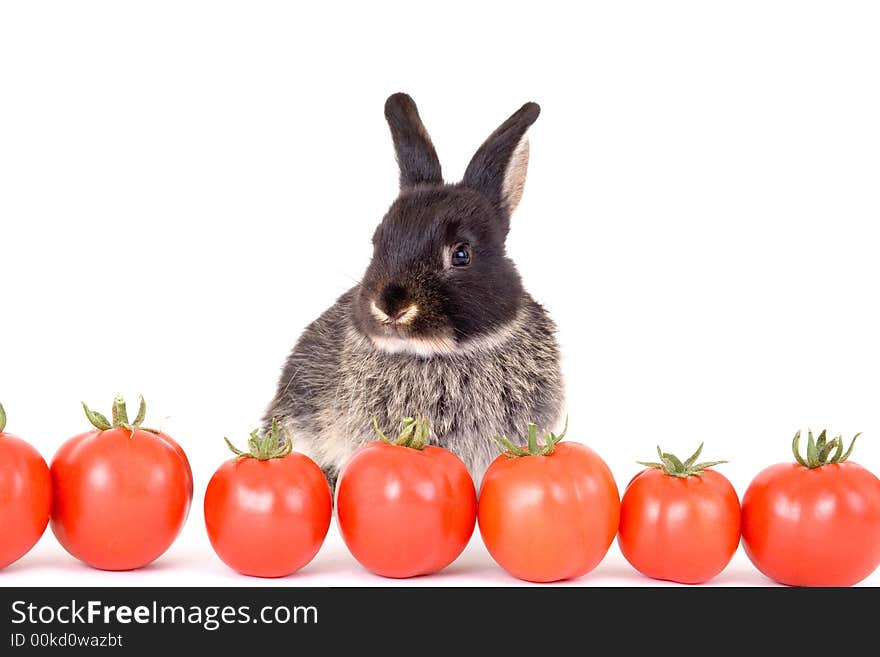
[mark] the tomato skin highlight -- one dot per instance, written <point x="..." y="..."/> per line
<point x="681" y="529"/>
<point x="121" y="497"/>
<point x="267" y="518"/>
<point x="549" y="518"/>
<point x="404" y="512"/>
<point x="190" y="484"/>
<point x="813" y="527"/>
<point x="25" y="498"/>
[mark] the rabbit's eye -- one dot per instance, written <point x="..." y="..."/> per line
<point x="461" y="255"/>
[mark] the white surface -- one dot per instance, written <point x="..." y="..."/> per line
<point x="184" y="186"/>
<point x="192" y="559"/>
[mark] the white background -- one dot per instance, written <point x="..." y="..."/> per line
<point x="184" y="186"/>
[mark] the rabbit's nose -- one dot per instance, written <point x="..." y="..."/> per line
<point x="393" y="306"/>
<point x="393" y="301"/>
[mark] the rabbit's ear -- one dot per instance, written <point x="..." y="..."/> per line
<point x="498" y="169"/>
<point x="415" y="153"/>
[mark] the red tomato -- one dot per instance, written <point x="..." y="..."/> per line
<point x="405" y="509"/>
<point x="267" y="511"/>
<point x="679" y="522"/>
<point x="122" y="493"/>
<point x="550" y="512"/>
<point x="189" y="476"/>
<point x="25" y="496"/>
<point x="815" y="522"/>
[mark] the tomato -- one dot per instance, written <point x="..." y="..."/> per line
<point x="190" y="485"/>
<point x="122" y="492"/>
<point x="404" y="508"/>
<point x="548" y="512"/>
<point x="25" y="496"/>
<point x="815" y="522"/>
<point x="679" y="521"/>
<point x="267" y="511"/>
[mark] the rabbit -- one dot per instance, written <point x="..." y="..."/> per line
<point x="440" y="324"/>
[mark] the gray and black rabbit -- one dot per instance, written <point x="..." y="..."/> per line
<point x="440" y="325"/>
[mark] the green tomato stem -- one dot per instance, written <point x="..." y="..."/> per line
<point x="414" y="433"/>
<point x="671" y="465"/>
<point x="2" y="418"/>
<point x="98" y="420"/>
<point x="119" y="412"/>
<point x="821" y="451"/>
<point x="119" y="415"/>
<point x="142" y="412"/>
<point x="271" y="445"/>
<point x="533" y="448"/>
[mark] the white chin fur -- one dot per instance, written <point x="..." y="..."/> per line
<point x="417" y="346"/>
<point x="443" y="345"/>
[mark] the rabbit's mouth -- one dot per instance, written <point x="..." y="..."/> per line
<point x="398" y="318"/>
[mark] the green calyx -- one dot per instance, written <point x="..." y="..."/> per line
<point x="119" y="416"/>
<point x="2" y="418"/>
<point x="821" y="451"/>
<point x="675" y="467"/>
<point x="414" y="433"/>
<point x="532" y="448"/>
<point x="271" y="445"/>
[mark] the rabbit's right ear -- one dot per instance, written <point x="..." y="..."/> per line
<point x="498" y="168"/>
<point x="416" y="156"/>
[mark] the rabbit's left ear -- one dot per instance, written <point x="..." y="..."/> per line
<point x="498" y="168"/>
<point x="415" y="153"/>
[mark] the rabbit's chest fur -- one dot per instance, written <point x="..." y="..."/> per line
<point x="338" y="380"/>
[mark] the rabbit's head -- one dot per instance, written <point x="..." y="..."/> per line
<point x="439" y="279"/>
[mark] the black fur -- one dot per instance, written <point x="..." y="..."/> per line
<point x="410" y="252"/>
<point x="416" y="156"/>
<point x="489" y="164"/>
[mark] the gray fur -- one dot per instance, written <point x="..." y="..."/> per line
<point x="336" y="380"/>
